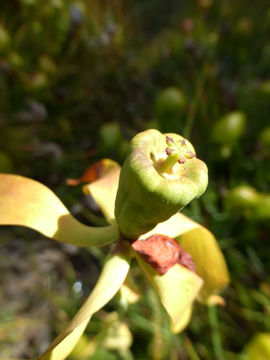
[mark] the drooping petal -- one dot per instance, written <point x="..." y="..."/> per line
<point x="94" y="172"/>
<point x="184" y="321"/>
<point x="111" y="278"/>
<point x="26" y="202"/>
<point x="210" y="263"/>
<point x="177" y="290"/>
<point x="104" y="189"/>
<point x="203" y="248"/>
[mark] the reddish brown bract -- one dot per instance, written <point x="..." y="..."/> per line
<point x="162" y="252"/>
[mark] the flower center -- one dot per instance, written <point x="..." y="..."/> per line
<point x="175" y="153"/>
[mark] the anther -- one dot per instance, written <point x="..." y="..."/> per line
<point x="181" y="160"/>
<point x="169" y="140"/>
<point x="189" y="154"/>
<point x="182" y="142"/>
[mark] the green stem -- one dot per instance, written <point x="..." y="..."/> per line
<point x="215" y="333"/>
<point x="196" y="101"/>
<point x="190" y="349"/>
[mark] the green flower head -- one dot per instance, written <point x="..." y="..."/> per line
<point x="160" y="176"/>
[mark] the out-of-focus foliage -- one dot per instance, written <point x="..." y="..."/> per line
<point x="80" y="78"/>
<point x="259" y="347"/>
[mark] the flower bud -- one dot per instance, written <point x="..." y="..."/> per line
<point x="169" y="107"/>
<point x="159" y="177"/>
<point x="228" y="129"/>
<point x="241" y="197"/>
<point x="262" y="208"/>
<point x="264" y="138"/>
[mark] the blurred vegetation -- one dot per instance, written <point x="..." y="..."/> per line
<point x="77" y="80"/>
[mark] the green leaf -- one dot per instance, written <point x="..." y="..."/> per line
<point x="26" y="202"/>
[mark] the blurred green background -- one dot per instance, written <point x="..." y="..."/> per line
<point x="78" y="79"/>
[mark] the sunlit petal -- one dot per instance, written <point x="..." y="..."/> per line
<point x="184" y="321"/>
<point x="173" y="227"/>
<point x="111" y="278"/>
<point x="104" y="189"/>
<point x="203" y="248"/>
<point x="210" y="263"/>
<point x="177" y="290"/>
<point x="26" y="202"/>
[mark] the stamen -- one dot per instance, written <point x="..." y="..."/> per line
<point x="183" y="142"/>
<point x="189" y="154"/>
<point x="169" y="141"/>
<point x="176" y="152"/>
<point x="182" y="160"/>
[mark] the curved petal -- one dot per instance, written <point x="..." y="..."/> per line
<point x="203" y="248"/>
<point x="184" y="321"/>
<point x="104" y="189"/>
<point x="26" y="202"/>
<point x="94" y="172"/>
<point x="111" y="278"/>
<point x="210" y="263"/>
<point x="177" y="290"/>
<point x="173" y="227"/>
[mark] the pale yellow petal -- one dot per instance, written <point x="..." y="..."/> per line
<point x="111" y="278"/>
<point x="183" y="323"/>
<point x="210" y="263"/>
<point x="104" y="190"/>
<point x="173" y="227"/>
<point x="204" y="249"/>
<point x="26" y="202"/>
<point x="177" y="290"/>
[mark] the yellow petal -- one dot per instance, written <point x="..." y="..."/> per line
<point x="104" y="189"/>
<point x="93" y="172"/>
<point x="177" y="290"/>
<point x="111" y="278"/>
<point x="183" y="322"/>
<point x="210" y="263"/>
<point x="203" y="248"/>
<point x="26" y="202"/>
<point x="173" y="227"/>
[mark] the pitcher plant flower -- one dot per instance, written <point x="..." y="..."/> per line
<point x="141" y="204"/>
